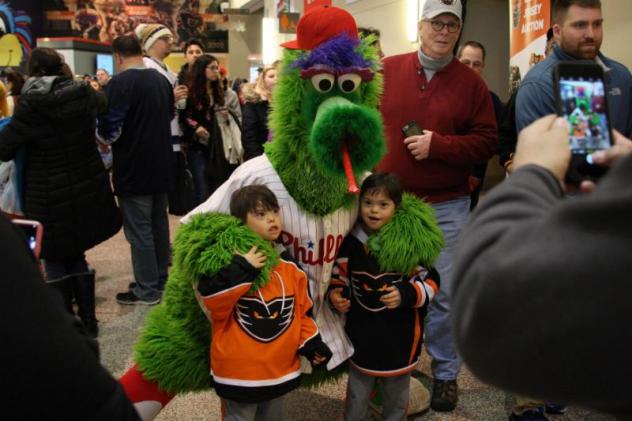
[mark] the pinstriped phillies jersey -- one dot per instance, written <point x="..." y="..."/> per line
<point x="311" y="240"/>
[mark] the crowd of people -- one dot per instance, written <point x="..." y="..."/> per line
<point x="507" y="293"/>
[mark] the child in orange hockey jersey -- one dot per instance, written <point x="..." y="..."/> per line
<point x="257" y="337"/>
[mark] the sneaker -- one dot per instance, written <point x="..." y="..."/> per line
<point x="530" y="415"/>
<point x="555" y="408"/>
<point x="132" y="285"/>
<point x="130" y="298"/>
<point x="444" y="395"/>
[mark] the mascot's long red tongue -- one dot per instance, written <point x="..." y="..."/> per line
<point x="352" y="186"/>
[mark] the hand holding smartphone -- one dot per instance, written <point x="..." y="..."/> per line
<point x="581" y="97"/>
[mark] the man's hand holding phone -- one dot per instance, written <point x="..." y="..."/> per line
<point x="419" y="145"/>
<point x="417" y="140"/>
<point x="622" y="147"/>
<point x="544" y="143"/>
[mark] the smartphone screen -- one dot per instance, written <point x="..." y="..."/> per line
<point x="412" y="129"/>
<point x="582" y="100"/>
<point x="584" y="107"/>
<point x="33" y="233"/>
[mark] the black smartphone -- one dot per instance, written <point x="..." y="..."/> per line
<point x="33" y="231"/>
<point x="581" y="95"/>
<point x="412" y="129"/>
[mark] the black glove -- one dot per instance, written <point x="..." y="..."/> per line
<point x="316" y="346"/>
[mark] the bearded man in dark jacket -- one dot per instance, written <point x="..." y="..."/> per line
<point x="65" y="184"/>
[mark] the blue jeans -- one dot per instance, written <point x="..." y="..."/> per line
<point x="451" y="216"/>
<point x="198" y="161"/>
<point x="59" y="269"/>
<point x="146" y="228"/>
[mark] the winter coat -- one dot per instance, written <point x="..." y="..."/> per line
<point x="66" y="186"/>
<point x="254" y="128"/>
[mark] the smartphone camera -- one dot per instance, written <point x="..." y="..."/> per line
<point x="582" y="101"/>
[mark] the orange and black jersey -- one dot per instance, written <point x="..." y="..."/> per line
<point x="387" y="342"/>
<point x="256" y="337"/>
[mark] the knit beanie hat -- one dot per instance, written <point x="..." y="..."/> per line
<point x="149" y="33"/>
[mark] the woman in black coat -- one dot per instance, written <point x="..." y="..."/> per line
<point x="254" y="131"/>
<point x="65" y="186"/>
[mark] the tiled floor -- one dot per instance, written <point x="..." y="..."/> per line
<point x="120" y="325"/>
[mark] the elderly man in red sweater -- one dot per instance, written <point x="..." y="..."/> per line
<point x="452" y="106"/>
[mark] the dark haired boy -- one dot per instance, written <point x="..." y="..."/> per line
<point x="192" y="50"/>
<point x="384" y="310"/>
<point x="258" y="336"/>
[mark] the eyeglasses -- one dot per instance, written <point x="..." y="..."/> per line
<point x="472" y="64"/>
<point x="438" y="25"/>
<point x="213" y="67"/>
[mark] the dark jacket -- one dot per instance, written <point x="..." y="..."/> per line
<point x="50" y="370"/>
<point x="254" y="127"/>
<point x="543" y="292"/>
<point x="66" y="186"/>
<point x="138" y="125"/>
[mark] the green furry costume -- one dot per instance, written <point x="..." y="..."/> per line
<point x="309" y="120"/>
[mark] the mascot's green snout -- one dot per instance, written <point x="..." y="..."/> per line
<point x="346" y="134"/>
<point x="325" y="121"/>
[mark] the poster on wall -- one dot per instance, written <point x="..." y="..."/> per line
<point x="20" y="19"/>
<point x="104" y="20"/>
<point x="288" y="22"/>
<point x="529" y="20"/>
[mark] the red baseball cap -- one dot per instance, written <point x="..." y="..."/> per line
<point x="321" y="24"/>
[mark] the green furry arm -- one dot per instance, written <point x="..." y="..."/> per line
<point x="208" y="242"/>
<point x="173" y="347"/>
<point x="411" y="238"/>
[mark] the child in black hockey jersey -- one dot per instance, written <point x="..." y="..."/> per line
<point x="257" y="336"/>
<point x="384" y="310"/>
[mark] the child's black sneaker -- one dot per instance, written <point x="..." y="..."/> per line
<point x="444" y="395"/>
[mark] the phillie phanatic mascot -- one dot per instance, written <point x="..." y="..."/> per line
<point x="327" y="133"/>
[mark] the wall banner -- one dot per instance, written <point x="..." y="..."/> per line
<point x="104" y="20"/>
<point x="529" y="20"/>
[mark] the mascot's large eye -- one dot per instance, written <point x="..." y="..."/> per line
<point x="349" y="82"/>
<point x="323" y="82"/>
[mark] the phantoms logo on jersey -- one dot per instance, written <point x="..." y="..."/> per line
<point x="368" y="289"/>
<point x="264" y="321"/>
